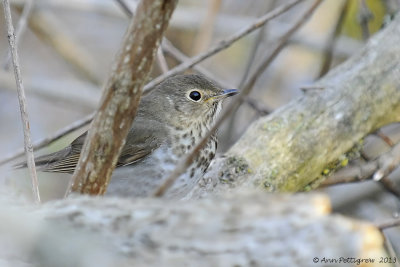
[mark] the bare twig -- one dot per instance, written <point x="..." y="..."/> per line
<point x="114" y="118"/>
<point x="352" y="174"/>
<point x="385" y="138"/>
<point x="378" y="170"/>
<point x="364" y="16"/>
<point x="388" y="224"/>
<point x="390" y="249"/>
<point x="281" y="45"/>
<point x="124" y="6"/>
<point x="22" y="101"/>
<point x="391" y="6"/>
<point x="250" y="61"/>
<point x="249" y="65"/>
<point x="254" y="49"/>
<point x="388" y="162"/>
<point x="390" y="186"/>
<point x="310" y="88"/>
<point x="48" y="28"/>
<point x="179" y="56"/>
<point x="206" y="30"/>
<point x="254" y="104"/>
<point x="162" y="62"/>
<point x="50" y="139"/>
<point x="21" y="26"/>
<point x="253" y="54"/>
<point x="184" y="163"/>
<point x="331" y="42"/>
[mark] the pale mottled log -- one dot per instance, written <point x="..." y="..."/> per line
<point x="243" y="229"/>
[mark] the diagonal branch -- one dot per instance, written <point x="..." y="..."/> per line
<point x="171" y="50"/>
<point x="22" y="102"/>
<point x="121" y="97"/>
<point x="331" y="42"/>
<point x="378" y="170"/>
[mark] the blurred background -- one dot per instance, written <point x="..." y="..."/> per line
<point x="67" y="48"/>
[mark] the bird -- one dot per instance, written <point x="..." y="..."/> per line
<point x="170" y="121"/>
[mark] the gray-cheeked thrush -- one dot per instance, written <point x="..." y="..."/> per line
<point x="170" y="121"/>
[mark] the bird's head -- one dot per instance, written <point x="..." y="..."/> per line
<point x="190" y="98"/>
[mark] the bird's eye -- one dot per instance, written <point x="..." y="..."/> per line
<point x="195" y="95"/>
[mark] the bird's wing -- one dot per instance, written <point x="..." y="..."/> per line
<point x="63" y="161"/>
<point x="140" y="142"/>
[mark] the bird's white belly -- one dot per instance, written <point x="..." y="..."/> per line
<point x="141" y="179"/>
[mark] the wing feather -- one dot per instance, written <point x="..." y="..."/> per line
<point x="141" y="141"/>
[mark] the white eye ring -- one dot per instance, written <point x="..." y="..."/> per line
<point x="194" y="95"/>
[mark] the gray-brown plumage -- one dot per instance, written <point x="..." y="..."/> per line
<point x="169" y="122"/>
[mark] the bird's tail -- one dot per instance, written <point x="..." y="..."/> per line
<point x="46" y="163"/>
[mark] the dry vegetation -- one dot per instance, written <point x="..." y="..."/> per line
<point x="318" y="111"/>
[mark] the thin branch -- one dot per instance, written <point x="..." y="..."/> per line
<point x="162" y="62"/>
<point x="181" y="57"/>
<point x="250" y="63"/>
<point x="47" y="27"/>
<point x="253" y="54"/>
<point x="21" y="26"/>
<point x="352" y="174"/>
<point x="388" y="162"/>
<point x="391" y="7"/>
<point x="390" y="249"/>
<point x="52" y="138"/>
<point x="331" y="42"/>
<point x="389" y="224"/>
<point x="385" y="138"/>
<point x="22" y="102"/>
<point x="281" y="45"/>
<point x="70" y="93"/>
<point x="185" y="163"/>
<point x="205" y="33"/>
<point x="124" y="6"/>
<point x="390" y="186"/>
<point x="116" y="113"/>
<point x="364" y="16"/>
<point x="254" y="104"/>
<point x="377" y="170"/>
<point x="254" y="50"/>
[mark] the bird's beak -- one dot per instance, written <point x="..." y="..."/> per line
<point x="226" y="93"/>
